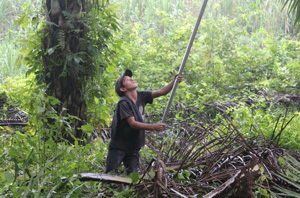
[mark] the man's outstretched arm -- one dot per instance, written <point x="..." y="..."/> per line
<point x="166" y="89"/>
<point x="143" y="126"/>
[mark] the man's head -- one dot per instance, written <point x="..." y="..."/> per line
<point x="124" y="83"/>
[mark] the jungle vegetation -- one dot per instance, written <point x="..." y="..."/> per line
<point x="59" y="62"/>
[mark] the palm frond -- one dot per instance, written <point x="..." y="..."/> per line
<point x="293" y="8"/>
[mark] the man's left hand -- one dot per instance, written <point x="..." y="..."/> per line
<point x="179" y="77"/>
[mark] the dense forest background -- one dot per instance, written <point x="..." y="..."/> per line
<point x="243" y="67"/>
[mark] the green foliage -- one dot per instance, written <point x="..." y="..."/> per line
<point x="291" y="177"/>
<point x="63" y="67"/>
<point x="232" y="60"/>
<point x="240" y="54"/>
<point x="32" y="161"/>
<point x="9" y="11"/>
<point x="44" y="162"/>
<point x="218" y="63"/>
<point x="257" y="120"/>
<point x="8" y="59"/>
<point x="293" y="7"/>
<point x="268" y="15"/>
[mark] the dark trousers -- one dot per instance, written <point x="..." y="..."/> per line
<point x="116" y="156"/>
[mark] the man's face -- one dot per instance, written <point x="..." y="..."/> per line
<point x="129" y="83"/>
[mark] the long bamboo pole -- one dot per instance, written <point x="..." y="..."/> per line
<point x="187" y="52"/>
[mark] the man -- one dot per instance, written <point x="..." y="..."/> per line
<point x="128" y="135"/>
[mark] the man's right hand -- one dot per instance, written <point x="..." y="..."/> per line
<point x="144" y="126"/>
<point x="159" y="126"/>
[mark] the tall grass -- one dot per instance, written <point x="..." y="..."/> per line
<point x="9" y="11"/>
<point x="9" y="33"/>
<point x="267" y="14"/>
<point x="8" y="58"/>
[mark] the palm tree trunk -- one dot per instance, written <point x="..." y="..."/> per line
<point x="61" y="44"/>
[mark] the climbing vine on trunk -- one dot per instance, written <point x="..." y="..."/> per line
<point x="71" y="50"/>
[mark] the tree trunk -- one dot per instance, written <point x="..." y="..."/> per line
<point x="63" y="69"/>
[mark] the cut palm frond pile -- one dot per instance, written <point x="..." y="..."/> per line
<point x="11" y="115"/>
<point x="207" y="162"/>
